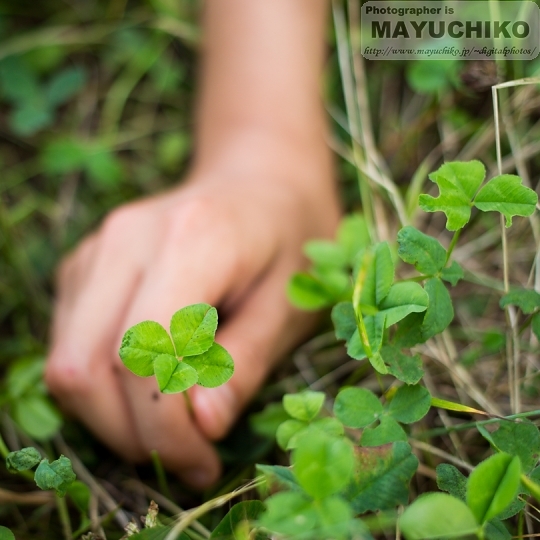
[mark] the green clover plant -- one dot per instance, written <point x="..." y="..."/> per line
<point x="380" y="318"/>
<point x="187" y="357"/>
<point x="57" y="475"/>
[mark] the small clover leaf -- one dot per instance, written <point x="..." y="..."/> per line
<point x="6" y="534"/>
<point x="388" y="431"/>
<point x="304" y="406"/>
<point x="437" y="515"/>
<point x="423" y="251"/>
<point x="353" y="235"/>
<point x="307" y="292"/>
<point x="214" y="367"/>
<point x="381" y="478"/>
<point x="506" y="194"/>
<point x="22" y="460"/>
<point x="379" y="275"/>
<point x="452" y="273"/>
<point x="374" y="327"/>
<point x="324" y="253"/>
<point x="450" y="479"/>
<point x="458" y="182"/>
<point x="193" y="329"/>
<point x="323" y="464"/>
<point x="403" y="298"/>
<point x="357" y="407"/>
<point x="493" y="485"/>
<point x="410" y="404"/>
<point x="286" y="432"/>
<point x="405" y="368"/>
<point x="440" y="311"/>
<point x="173" y="376"/>
<point x="57" y="475"/>
<point x="141" y="345"/>
<point x="344" y="320"/>
<point x="525" y="299"/>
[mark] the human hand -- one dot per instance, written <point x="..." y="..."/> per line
<point x="231" y="237"/>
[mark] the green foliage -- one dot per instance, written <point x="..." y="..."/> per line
<point x="410" y="404"/>
<point x="402" y="366"/>
<point x="309" y="293"/>
<point x="458" y="182"/>
<point x="57" y="475"/>
<point x="423" y="251"/>
<point x="245" y="511"/>
<point x="287" y="430"/>
<point x="357" y="407"/>
<point x="34" y="102"/>
<point x="173" y="376"/>
<point x="506" y="194"/>
<point x="440" y="312"/>
<point x="80" y="494"/>
<point x="279" y="477"/>
<point x="27" y="396"/>
<point x="327" y="283"/>
<point x="520" y="439"/>
<point x="437" y="515"/>
<point x="193" y="329"/>
<point x="492" y="486"/>
<point x="22" y="460"/>
<point x="451" y="480"/>
<point x="459" y="185"/>
<point x="214" y="367"/>
<point x="525" y="299"/>
<point x="381" y="477"/>
<point x="95" y="158"/>
<point x="386" y="432"/>
<point x="452" y="273"/>
<point x="148" y="350"/>
<point x="432" y="77"/>
<point x="323" y="464"/>
<point x="6" y="534"/>
<point x="289" y="513"/>
<point x="304" y="406"/>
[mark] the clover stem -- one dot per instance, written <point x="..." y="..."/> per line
<point x="363" y="333"/>
<point x="4" y="450"/>
<point x="160" y="474"/>
<point x="189" y="403"/>
<point x="64" y="517"/>
<point x="452" y="245"/>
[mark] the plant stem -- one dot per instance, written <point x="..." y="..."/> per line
<point x="189" y="404"/>
<point x="469" y="425"/>
<point x="4" y="450"/>
<point x="64" y="517"/>
<point x="160" y="474"/>
<point x="452" y="245"/>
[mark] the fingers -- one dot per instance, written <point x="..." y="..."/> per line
<point x="262" y="329"/>
<point x="95" y="287"/>
<point x="183" y="273"/>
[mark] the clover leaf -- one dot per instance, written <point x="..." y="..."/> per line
<point x="458" y="182"/>
<point x="193" y="329"/>
<point x="57" y="475"/>
<point x="506" y="194"/>
<point x="190" y="357"/>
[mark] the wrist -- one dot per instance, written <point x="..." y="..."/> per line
<point x="253" y="152"/>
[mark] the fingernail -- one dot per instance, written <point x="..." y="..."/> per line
<point x="198" y="478"/>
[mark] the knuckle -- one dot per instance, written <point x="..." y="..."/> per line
<point x="191" y="217"/>
<point x="119" y="222"/>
